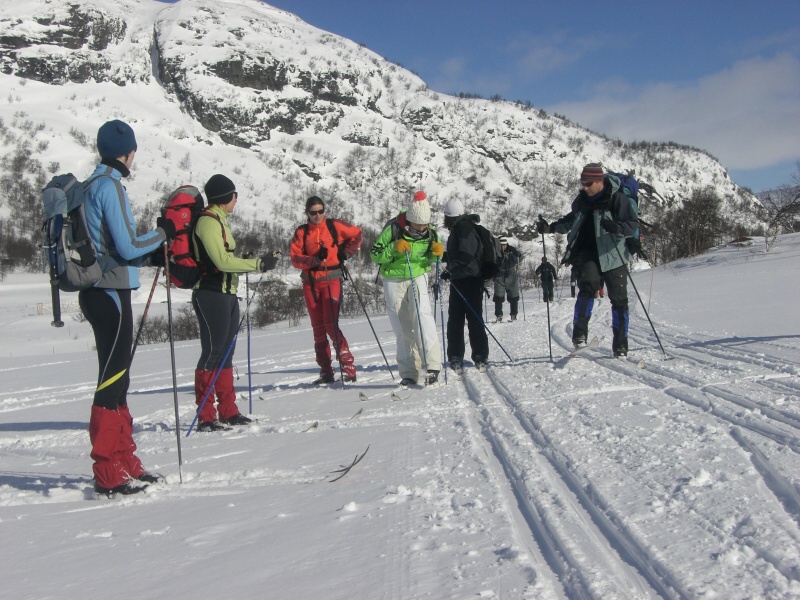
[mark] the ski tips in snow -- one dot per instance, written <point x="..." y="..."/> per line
<point x="395" y="397"/>
<point x="313" y="427"/>
<point x="345" y="470"/>
<point x="358" y="414"/>
<point x="363" y="397"/>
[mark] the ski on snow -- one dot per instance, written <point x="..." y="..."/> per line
<point x="595" y="343"/>
<point x="345" y="470"/>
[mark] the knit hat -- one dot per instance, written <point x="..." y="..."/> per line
<point x="592" y="172"/>
<point x="219" y="189"/>
<point x="115" y="139"/>
<point x="313" y="201"/>
<point x="453" y="208"/>
<point x="420" y="211"/>
<point x="503" y="240"/>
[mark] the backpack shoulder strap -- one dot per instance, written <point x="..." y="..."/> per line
<point x="207" y="213"/>
<point x="332" y="228"/>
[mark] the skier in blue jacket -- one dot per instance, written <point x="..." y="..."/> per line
<point x="107" y="307"/>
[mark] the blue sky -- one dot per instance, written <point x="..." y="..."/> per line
<point x="721" y="76"/>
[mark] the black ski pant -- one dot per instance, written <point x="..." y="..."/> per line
<point x="469" y="308"/>
<point x="590" y="281"/>
<point x="547" y="290"/>
<point x="109" y="313"/>
<point x="218" y="317"/>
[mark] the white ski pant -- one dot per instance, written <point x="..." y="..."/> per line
<point x="406" y="325"/>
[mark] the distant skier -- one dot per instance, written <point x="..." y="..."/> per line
<point x="602" y="217"/>
<point x="547" y="274"/>
<point x="506" y="282"/>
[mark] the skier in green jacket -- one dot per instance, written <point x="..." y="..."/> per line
<point x="405" y="251"/>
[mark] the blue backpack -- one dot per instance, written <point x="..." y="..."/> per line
<point x="630" y="187"/>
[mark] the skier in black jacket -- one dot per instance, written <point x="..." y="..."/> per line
<point x="547" y="273"/>
<point x="602" y="217"/>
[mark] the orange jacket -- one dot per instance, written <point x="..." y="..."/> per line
<point x="309" y="238"/>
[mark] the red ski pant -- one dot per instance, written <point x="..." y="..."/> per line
<point x="322" y="300"/>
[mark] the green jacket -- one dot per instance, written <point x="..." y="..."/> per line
<point x="393" y="264"/>
<point x="213" y="247"/>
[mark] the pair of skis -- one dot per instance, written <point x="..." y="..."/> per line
<point x="595" y="343"/>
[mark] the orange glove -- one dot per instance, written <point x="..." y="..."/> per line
<point x="402" y="246"/>
<point x="437" y="249"/>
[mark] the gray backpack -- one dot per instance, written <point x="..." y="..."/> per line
<point x="70" y="251"/>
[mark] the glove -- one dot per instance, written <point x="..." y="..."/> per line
<point x="437" y="249"/>
<point x="543" y="226"/>
<point x="611" y="226"/>
<point x="156" y="258"/>
<point x="168" y="226"/>
<point x="402" y="246"/>
<point x="268" y="262"/>
<point x="445" y="276"/>
<point x="323" y="253"/>
<point x="341" y="254"/>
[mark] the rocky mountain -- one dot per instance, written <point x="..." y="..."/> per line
<point x="238" y="86"/>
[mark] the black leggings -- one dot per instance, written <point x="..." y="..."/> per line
<point x="109" y="313"/>
<point x="218" y="317"/>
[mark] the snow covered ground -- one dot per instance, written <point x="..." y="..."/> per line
<point x="588" y="478"/>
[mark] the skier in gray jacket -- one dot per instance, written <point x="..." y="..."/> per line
<point x="602" y="217"/>
<point x="506" y="282"/>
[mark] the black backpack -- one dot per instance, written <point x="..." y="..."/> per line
<point x="491" y="252"/>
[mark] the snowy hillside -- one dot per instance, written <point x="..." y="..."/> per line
<point x="288" y="110"/>
<point x="589" y="478"/>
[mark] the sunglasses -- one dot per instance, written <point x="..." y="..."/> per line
<point x="588" y="183"/>
<point x="314" y="213"/>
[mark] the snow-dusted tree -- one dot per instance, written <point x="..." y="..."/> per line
<point x="781" y="209"/>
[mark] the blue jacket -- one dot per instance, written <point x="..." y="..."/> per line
<point x="113" y="230"/>
<point x="613" y="204"/>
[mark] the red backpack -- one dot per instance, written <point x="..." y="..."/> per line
<point x="183" y="208"/>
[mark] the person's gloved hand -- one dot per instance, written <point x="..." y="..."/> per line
<point x="445" y="276"/>
<point x="323" y="253"/>
<point x="611" y="226"/>
<point x="268" y="262"/>
<point x="542" y="226"/>
<point x="168" y="227"/>
<point x="341" y="254"/>
<point x="402" y="246"/>
<point x="156" y="258"/>
<point x="437" y="249"/>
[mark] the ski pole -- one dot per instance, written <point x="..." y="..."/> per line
<point x="441" y="310"/>
<point x="172" y="358"/>
<point x="218" y="367"/>
<point x="144" y="313"/>
<point x="416" y="304"/>
<point x="366" y="314"/>
<point x="653" y="327"/>
<point x="477" y="314"/>
<point x="249" y="369"/>
<point x="549" y="336"/>
<point x="521" y="295"/>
